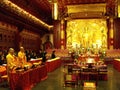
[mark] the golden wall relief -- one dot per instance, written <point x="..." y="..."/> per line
<point x="87" y="33"/>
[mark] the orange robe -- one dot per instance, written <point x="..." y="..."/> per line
<point x="22" y="58"/>
<point x="11" y="61"/>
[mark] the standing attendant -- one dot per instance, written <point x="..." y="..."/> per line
<point x="22" y="57"/>
<point x="11" y="60"/>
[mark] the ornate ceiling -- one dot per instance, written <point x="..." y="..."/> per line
<point x="87" y="7"/>
<point x="76" y="2"/>
<point x="26" y="14"/>
<point x="42" y="9"/>
<point x="39" y="8"/>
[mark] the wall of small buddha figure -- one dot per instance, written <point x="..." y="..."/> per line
<point x="29" y="40"/>
<point x="7" y="35"/>
<point x="11" y="36"/>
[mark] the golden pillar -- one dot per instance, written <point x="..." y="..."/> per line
<point x="62" y="31"/>
<point x="111" y="33"/>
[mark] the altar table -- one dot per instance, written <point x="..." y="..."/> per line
<point x="35" y="60"/>
<point x="116" y="64"/>
<point x="84" y="57"/>
<point x="53" y="64"/>
<point x="27" y="79"/>
<point x="2" y="72"/>
<point x="73" y="68"/>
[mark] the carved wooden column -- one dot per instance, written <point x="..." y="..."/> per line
<point x="110" y="33"/>
<point x="18" y="38"/>
<point x="63" y="34"/>
<point x="57" y="34"/>
<point x="116" y="33"/>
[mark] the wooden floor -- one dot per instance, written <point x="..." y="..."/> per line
<point x="55" y="81"/>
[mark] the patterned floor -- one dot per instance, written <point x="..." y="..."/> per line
<point x="55" y="81"/>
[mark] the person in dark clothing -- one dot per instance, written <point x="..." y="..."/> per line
<point x="40" y="54"/>
<point x="34" y="55"/>
<point x="53" y="55"/>
<point x="31" y="54"/>
<point x="44" y="57"/>
<point x="2" y="59"/>
<point x="27" y="55"/>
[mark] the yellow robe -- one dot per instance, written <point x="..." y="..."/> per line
<point x="22" y="58"/>
<point x="11" y="61"/>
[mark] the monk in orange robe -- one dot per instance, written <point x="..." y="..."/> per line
<point x="11" y="60"/>
<point x="22" y="56"/>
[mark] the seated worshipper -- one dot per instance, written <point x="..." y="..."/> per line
<point x="44" y="57"/>
<point x="40" y="54"/>
<point x="22" y="57"/>
<point x="53" y="55"/>
<point x="27" y="55"/>
<point x="11" y="60"/>
<point x="34" y="55"/>
<point x="73" y="55"/>
<point x="1" y="58"/>
<point x="90" y="65"/>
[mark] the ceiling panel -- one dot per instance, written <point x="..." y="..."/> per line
<point x="44" y="4"/>
<point x="111" y="5"/>
<point x="87" y="8"/>
<point x="44" y="7"/>
<point x="72" y="2"/>
<point x="39" y="8"/>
